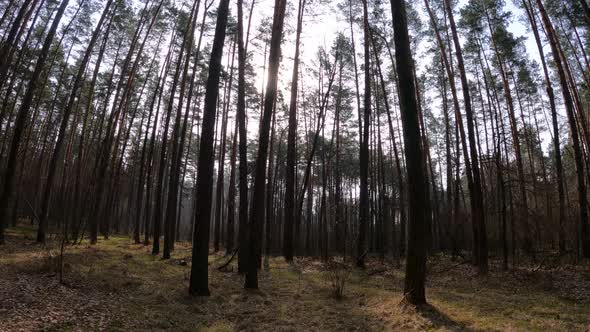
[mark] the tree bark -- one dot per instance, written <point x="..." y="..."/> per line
<point x="416" y="260"/>
<point x="199" y="278"/>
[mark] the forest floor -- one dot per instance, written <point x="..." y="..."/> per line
<point x="119" y="286"/>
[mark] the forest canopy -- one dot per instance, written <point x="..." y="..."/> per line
<point x="265" y="133"/>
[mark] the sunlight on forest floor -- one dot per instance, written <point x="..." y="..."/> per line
<point x="119" y="286"/>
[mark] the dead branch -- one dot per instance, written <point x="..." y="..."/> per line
<point x="220" y="268"/>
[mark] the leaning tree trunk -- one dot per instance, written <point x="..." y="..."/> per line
<point x="417" y="246"/>
<point x="65" y="119"/>
<point x="556" y="140"/>
<point x="398" y="167"/>
<point x="174" y="180"/>
<point x="569" y="107"/>
<point x="159" y="206"/>
<point x="150" y="163"/>
<point x="9" y="43"/>
<point x="20" y="124"/>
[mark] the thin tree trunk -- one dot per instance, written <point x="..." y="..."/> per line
<point x="257" y="211"/>
<point x="477" y="194"/>
<point x="291" y="169"/>
<point x="65" y="119"/>
<point x="20" y="123"/>
<point x="176" y="157"/>
<point x="243" y="141"/>
<point x="220" y="167"/>
<point x="569" y="106"/>
<point x="524" y="212"/>
<point x="364" y="149"/>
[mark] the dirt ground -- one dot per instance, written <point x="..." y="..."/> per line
<point x="119" y="286"/>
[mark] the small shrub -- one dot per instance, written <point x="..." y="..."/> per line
<point x="337" y="274"/>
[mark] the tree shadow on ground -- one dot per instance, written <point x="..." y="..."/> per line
<point x="143" y="292"/>
<point x="439" y="319"/>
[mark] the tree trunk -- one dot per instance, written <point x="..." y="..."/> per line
<point x="291" y="170"/>
<point x="219" y="201"/>
<point x="19" y="127"/>
<point x="364" y="149"/>
<point x="243" y="140"/>
<point x="477" y="194"/>
<point x="231" y="194"/>
<point x="569" y="106"/>
<point x="527" y="244"/>
<point x="556" y="140"/>
<point x="257" y="212"/>
<point x="176" y="157"/>
<point x="199" y="279"/>
<point x="417" y="246"/>
<point x="65" y="119"/>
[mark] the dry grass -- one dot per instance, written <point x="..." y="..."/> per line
<point x="118" y="286"/>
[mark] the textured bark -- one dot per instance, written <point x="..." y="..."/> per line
<point x="199" y="279"/>
<point x="417" y="246"/>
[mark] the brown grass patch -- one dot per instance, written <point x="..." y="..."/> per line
<point x="119" y="286"/>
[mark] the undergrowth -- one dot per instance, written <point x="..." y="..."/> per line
<point x="119" y="286"/>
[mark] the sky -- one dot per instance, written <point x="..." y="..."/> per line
<point x="323" y="22"/>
